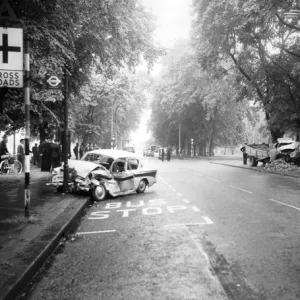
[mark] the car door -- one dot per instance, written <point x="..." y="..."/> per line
<point x="122" y="175"/>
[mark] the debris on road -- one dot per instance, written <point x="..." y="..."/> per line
<point x="280" y="165"/>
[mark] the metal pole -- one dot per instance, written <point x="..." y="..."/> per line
<point x="14" y="149"/>
<point x="66" y="148"/>
<point x="179" y="143"/>
<point x="112" y="127"/>
<point x="27" y="130"/>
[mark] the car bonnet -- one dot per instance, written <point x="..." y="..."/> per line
<point x="83" y="168"/>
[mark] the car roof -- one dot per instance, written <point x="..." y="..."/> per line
<point x="114" y="153"/>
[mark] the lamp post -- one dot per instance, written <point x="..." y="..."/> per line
<point x="114" y="117"/>
<point x="179" y="139"/>
<point x="65" y="140"/>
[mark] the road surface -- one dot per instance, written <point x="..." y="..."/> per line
<point x="203" y="231"/>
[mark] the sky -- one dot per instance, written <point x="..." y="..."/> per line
<point x="173" y="22"/>
<point x="173" y="19"/>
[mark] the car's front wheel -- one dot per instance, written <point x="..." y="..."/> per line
<point x="142" y="186"/>
<point x="99" y="192"/>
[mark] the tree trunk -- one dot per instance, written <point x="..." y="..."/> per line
<point x="42" y="133"/>
<point x="275" y="134"/>
<point x="212" y="136"/>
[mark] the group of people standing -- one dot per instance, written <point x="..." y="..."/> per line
<point x="80" y="150"/>
<point x="20" y="151"/>
<point x="51" y="154"/>
<point x="166" y="152"/>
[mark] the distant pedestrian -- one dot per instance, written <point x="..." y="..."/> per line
<point x="87" y="148"/>
<point x="245" y="156"/>
<point x="75" y="150"/>
<point x="81" y="150"/>
<point x="36" y="154"/>
<point x="3" y="147"/>
<point x="163" y="154"/>
<point x="55" y="154"/>
<point x="46" y="154"/>
<point x="21" y="152"/>
<point x="169" y="152"/>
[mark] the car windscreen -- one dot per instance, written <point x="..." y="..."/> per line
<point x="102" y="159"/>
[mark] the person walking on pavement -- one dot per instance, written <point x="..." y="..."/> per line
<point x="55" y="154"/>
<point x="21" y="152"/>
<point x="163" y="153"/>
<point x="169" y="151"/>
<point x="36" y="154"/>
<point x="3" y="147"/>
<point x="46" y="155"/>
<point x="75" y="150"/>
<point x="81" y="150"/>
<point x="87" y="148"/>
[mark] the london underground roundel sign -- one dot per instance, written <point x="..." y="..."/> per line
<point x="53" y="81"/>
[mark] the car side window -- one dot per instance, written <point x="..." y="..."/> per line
<point x="118" y="166"/>
<point x="133" y="164"/>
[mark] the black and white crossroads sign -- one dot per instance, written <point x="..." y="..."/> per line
<point x="11" y="57"/>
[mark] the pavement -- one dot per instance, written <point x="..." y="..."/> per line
<point x="26" y="243"/>
<point x="238" y="163"/>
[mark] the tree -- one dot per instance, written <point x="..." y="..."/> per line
<point x="87" y="37"/>
<point x="245" y="35"/>
<point x="205" y="107"/>
<point x="92" y="114"/>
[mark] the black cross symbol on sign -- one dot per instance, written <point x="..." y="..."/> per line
<point x="5" y="48"/>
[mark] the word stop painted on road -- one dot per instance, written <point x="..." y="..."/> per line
<point x="153" y="209"/>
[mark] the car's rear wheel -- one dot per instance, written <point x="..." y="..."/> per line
<point x="99" y="192"/>
<point x="142" y="186"/>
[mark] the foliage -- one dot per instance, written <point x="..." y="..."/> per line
<point x="205" y="107"/>
<point x="255" y="39"/>
<point x="87" y="38"/>
<point x="92" y="113"/>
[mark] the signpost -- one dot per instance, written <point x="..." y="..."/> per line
<point x="53" y="81"/>
<point x="11" y="57"/>
<point x="11" y="76"/>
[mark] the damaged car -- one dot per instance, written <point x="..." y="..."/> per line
<point x="106" y="172"/>
<point x="288" y="150"/>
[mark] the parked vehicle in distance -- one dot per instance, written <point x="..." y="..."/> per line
<point x="156" y="153"/>
<point x="148" y="153"/>
<point x="129" y="149"/>
<point x="106" y="171"/>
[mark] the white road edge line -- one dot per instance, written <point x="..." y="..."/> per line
<point x="235" y="187"/>
<point x="199" y="248"/>
<point x="285" y="204"/>
<point x="179" y="194"/>
<point x="174" y="190"/>
<point x="213" y="179"/>
<point x="91" y="232"/>
<point x="186" y="200"/>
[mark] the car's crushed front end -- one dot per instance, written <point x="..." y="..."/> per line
<point x="79" y="175"/>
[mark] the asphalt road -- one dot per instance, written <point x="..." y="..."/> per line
<point x="204" y="231"/>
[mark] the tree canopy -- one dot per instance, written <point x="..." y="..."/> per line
<point x="204" y="107"/>
<point x="89" y="38"/>
<point x="255" y="39"/>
